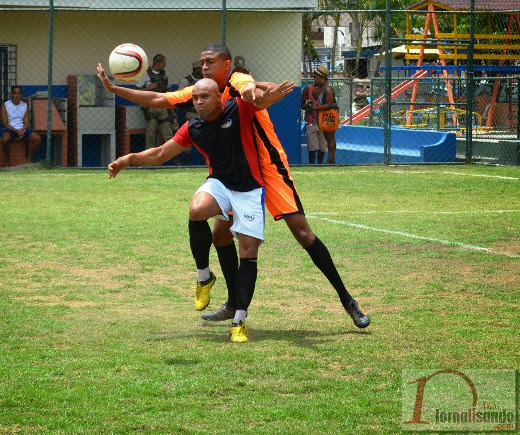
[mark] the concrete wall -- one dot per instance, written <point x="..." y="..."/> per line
<point x="270" y="42"/>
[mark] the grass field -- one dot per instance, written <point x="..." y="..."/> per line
<point x="98" y="333"/>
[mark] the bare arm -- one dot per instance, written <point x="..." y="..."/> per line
<point x="141" y="97"/>
<point x="149" y="157"/>
<point x="26" y="120"/>
<point x="266" y="94"/>
<point x="304" y="100"/>
<point x="264" y="85"/>
<point x="329" y="100"/>
<point x="3" y="115"/>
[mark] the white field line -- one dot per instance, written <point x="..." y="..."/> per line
<point x="303" y="173"/>
<point x="413" y="212"/>
<point x="82" y="174"/>
<point x="415" y="236"/>
<point x="402" y="172"/>
<point x="501" y="177"/>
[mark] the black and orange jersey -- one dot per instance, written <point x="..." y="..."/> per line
<point x="227" y="144"/>
<point x="234" y="87"/>
<point x="281" y="196"/>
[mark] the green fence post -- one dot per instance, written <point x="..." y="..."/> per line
<point x="469" y="86"/>
<point x="388" y="88"/>
<point x="223" y="23"/>
<point x="49" y="82"/>
<point x="517" y="111"/>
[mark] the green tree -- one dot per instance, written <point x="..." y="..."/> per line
<point x="309" y="54"/>
<point x="329" y="11"/>
<point x="397" y="24"/>
<point x="361" y="21"/>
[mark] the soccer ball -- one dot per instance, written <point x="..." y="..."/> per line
<point x="128" y="62"/>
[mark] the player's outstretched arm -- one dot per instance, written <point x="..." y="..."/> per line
<point x="143" y="98"/>
<point x="149" y="157"/>
<point x="266" y="85"/>
<point x="272" y="93"/>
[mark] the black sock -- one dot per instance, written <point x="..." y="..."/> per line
<point x="228" y="259"/>
<point x="321" y="257"/>
<point x="246" y="280"/>
<point x="200" y="242"/>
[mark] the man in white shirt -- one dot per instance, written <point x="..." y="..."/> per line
<point x="16" y="121"/>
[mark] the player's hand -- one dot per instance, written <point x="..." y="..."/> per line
<point x="103" y="77"/>
<point x="117" y="166"/>
<point x="276" y="93"/>
<point x="248" y="94"/>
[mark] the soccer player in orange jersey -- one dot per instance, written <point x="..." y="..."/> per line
<point x="281" y="198"/>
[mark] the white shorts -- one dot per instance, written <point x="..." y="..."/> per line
<point x="248" y="207"/>
<point x="315" y="139"/>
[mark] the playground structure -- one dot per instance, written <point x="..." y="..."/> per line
<point x="495" y="56"/>
<point x="437" y="117"/>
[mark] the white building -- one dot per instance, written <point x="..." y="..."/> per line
<point x="86" y="31"/>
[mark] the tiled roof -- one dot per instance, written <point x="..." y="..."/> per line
<point x="480" y="5"/>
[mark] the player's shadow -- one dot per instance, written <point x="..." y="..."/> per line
<point x="301" y="337"/>
<point x="219" y="332"/>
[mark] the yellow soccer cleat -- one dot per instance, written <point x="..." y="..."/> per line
<point x="202" y="292"/>
<point x="238" y="332"/>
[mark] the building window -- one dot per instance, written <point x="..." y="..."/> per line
<point x="7" y="70"/>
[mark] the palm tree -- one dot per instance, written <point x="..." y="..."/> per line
<point x="360" y="20"/>
<point x="309" y="52"/>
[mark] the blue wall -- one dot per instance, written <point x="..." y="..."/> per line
<point x="58" y="91"/>
<point x="285" y="115"/>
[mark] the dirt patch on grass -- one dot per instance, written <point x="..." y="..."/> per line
<point x="510" y="247"/>
<point x="53" y="300"/>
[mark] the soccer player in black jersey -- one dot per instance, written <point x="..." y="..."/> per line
<point x="222" y="135"/>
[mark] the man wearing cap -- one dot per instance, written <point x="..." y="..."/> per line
<point x="240" y="65"/>
<point x="316" y="97"/>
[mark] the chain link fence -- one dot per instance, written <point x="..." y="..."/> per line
<point x="421" y="85"/>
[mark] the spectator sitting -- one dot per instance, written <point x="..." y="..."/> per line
<point x="16" y="121"/>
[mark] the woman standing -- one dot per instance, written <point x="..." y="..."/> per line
<point x="316" y="97"/>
